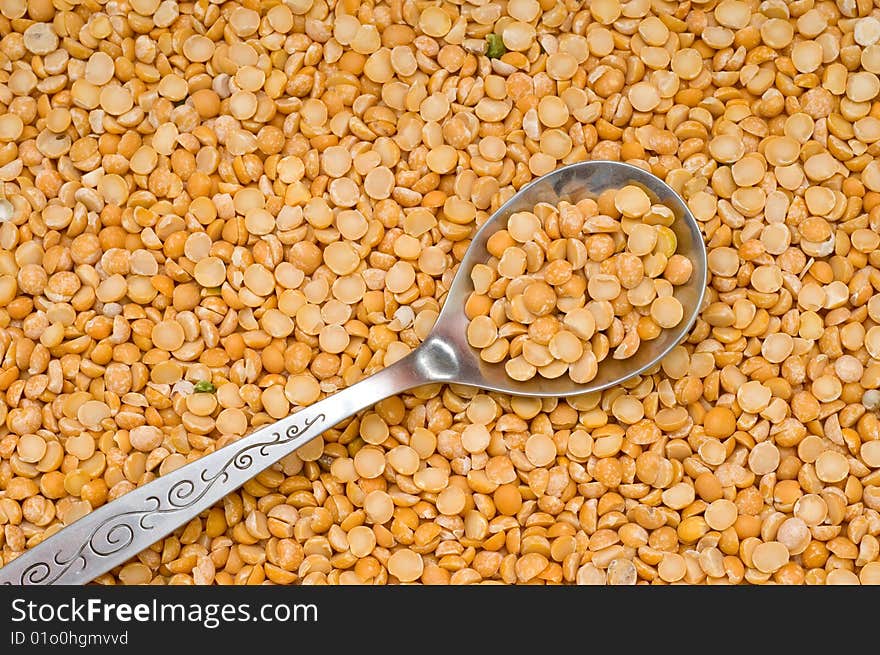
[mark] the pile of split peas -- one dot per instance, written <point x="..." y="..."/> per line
<point x="568" y="283"/>
<point x="216" y="214"/>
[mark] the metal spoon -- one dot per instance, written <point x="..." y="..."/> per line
<point x="117" y="531"/>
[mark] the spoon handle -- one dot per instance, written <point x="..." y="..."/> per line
<point x="117" y="531"/>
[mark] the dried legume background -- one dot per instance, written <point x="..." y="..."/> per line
<point x="217" y="213"/>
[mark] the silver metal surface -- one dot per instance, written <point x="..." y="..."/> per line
<point x="572" y="183"/>
<point x="113" y="533"/>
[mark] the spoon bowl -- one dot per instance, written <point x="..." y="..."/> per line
<point x="453" y="359"/>
<point x="111" y="534"/>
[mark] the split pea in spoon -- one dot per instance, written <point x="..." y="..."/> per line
<point x="117" y="531"/>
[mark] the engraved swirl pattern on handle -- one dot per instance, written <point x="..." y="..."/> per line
<point x="118" y="531"/>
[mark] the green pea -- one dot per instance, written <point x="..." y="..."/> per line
<point x="204" y="386"/>
<point x="495" y="49"/>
